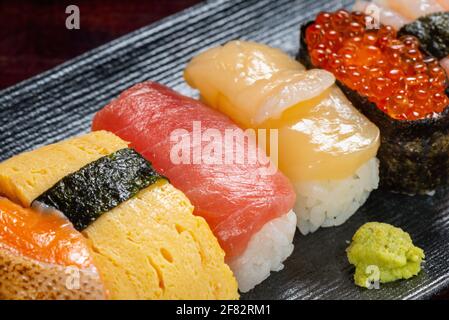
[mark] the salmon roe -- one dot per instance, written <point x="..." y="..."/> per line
<point x="391" y="72"/>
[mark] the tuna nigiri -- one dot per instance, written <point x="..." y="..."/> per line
<point x="248" y="210"/>
<point x="326" y="147"/>
<point x="385" y="15"/>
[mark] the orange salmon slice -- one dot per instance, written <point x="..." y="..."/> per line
<point x="44" y="237"/>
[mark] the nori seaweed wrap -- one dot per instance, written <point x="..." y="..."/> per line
<point x="100" y="186"/>
<point x="414" y="154"/>
<point x="433" y="33"/>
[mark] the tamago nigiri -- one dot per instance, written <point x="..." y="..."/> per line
<point x="326" y="147"/>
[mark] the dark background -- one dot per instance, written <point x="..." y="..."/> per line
<point x="33" y="36"/>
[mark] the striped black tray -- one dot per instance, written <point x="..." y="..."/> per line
<point x="60" y="103"/>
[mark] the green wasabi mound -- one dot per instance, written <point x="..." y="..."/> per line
<point x="383" y="253"/>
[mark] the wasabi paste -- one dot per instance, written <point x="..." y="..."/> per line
<point x="382" y="253"/>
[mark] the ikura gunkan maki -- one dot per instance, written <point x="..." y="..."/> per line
<point x="396" y="85"/>
<point x="390" y="71"/>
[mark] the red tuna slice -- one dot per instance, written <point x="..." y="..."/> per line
<point x="234" y="197"/>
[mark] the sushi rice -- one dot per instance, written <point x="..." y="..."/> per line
<point x="330" y="203"/>
<point x="266" y="251"/>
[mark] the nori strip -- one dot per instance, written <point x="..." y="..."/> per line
<point x="100" y="186"/>
<point x="414" y="155"/>
<point x="433" y="33"/>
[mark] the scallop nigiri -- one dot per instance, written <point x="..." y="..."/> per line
<point x="325" y="146"/>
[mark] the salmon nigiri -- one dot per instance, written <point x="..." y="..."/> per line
<point x="43" y="257"/>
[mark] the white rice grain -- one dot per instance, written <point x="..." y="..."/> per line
<point x="266" y="251"/>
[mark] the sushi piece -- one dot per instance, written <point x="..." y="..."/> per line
<point x="433" y="34"/>
<point x="325" y="146"/>
<point x="397" y="87"/>
<point x="43" y="257"/>
<point x="142" y="235"/>
<point x="247" y="207"/>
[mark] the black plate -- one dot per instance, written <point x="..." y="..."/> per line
<point x="60" y="103"/>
